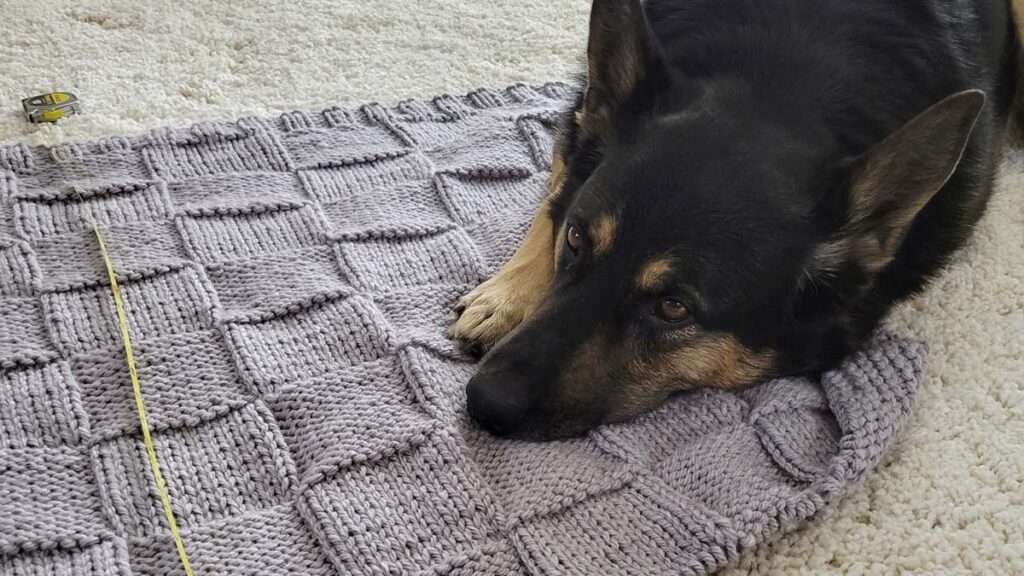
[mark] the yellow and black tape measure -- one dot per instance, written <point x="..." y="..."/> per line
<point x="51" y="107"/>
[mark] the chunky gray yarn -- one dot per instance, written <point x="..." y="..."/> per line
<point x="288" y="282"/>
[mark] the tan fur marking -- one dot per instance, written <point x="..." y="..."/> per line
<point x="653" y="273"/>
<point x="602" y="233"/>
<point x="557" y="178"/>
<point x="715" y="360"/>
<point x="718" y="360"/>
<point x="733" y="364"/>
<point x="500" y="304"/>
<point x="533" y="261"/>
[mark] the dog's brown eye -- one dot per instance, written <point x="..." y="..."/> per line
<point x="672" y="310"/>
<point x="573" y="238"/>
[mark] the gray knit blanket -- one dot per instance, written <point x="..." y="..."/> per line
<point x="288" y="283"/>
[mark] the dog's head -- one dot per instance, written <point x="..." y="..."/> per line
<point x="704" y="235"/>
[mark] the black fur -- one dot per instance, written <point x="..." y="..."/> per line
<point x="800" y="89"/>
<point x="839" y="76"/>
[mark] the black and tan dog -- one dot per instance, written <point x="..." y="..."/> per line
<point x="744" y="189"/>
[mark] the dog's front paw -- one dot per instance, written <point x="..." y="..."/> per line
<point x="491" y="311"/>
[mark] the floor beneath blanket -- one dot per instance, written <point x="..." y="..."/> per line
<point x="950" y="501"/>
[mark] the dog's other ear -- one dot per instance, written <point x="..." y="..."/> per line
<point x="621" y="52"/>
<point x="894" y="180"/>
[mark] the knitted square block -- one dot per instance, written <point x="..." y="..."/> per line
<point x="231" y="466"/>
<point x="639" y="529"/>
<point x="19" y="270"/>
<point x="226" y="193"/>
<point x="73" y="259"/>
<point x="498" y="238"/>
<point x="266" y="542"/>
<point x="509" y="102"/>
<point x="369" y="524"/>
<point x="33" y="514"/>
<point x="421" y="314"/>
<point x="708" y="471"/>
<point x="538" y="130"/>
<point x="543" y="97"/>
<point x="40" y="406"/>
<point x="246" y="232"/>
<point x="51" y="211"/>
<point x="654" y="437"/>
<point x="409" y="257"/>
<point x="347" y="416"/>
<point x="86" y="164"/>
<point x="869" y="396"/>
<point x="336" y="137"/>
<point x="493" y="559"/>
<point x="530" y="479"/>
<point x="353" y="182"/>
<point x="108" y="557"/>
<point x="214" y="148"/>
<point x="792" y="420"/>
<point x="473" y="140"/>
<point x="24" y="338"/>
<point x="439" y="110"/>
<point x="279" y="347"/>
<point x="439" y="380"/>
<point x="276" y="281"/>
<point x="83" y="318"/>
<point x="416" y="198"/>
<point x="186" y="378"/>
<point x="484" y="196"/>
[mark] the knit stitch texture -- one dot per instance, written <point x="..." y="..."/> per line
<point x="287" y="283"/>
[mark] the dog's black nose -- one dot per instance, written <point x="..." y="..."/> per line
<point x="498" y="404"/>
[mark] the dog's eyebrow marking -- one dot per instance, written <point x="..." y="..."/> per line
<point x="602" y="233"/>
<point x="653" y="273"/>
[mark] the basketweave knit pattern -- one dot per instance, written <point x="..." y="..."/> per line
<point x="287" y="283"/>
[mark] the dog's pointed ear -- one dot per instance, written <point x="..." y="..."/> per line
<point x="621" y="52"/>
<point x="896" y="179"/>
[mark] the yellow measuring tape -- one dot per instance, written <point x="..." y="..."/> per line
<point x="140" y="406"/>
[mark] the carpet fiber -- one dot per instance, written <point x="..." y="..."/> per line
<point x="948" y="502"/>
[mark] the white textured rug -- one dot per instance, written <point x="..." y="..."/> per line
<point x="952" y="499"/>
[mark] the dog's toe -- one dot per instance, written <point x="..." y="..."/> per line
<point x="480" y="324"/>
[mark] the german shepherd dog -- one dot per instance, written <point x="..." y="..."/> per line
<point x="743" y="190"/>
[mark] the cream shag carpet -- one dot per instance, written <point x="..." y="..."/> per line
<point x="951" y="500"/>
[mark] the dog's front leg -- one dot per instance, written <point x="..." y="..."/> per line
<point x="500" y="304"/>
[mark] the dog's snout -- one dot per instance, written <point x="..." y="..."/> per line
<point x="497" y="402"/>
